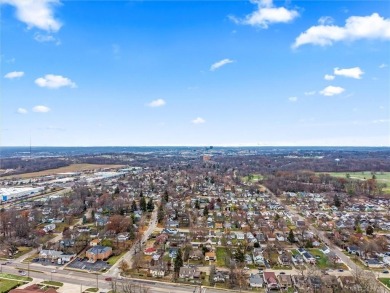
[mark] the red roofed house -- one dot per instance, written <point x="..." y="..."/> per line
<point x="270" y="280"/>
<point x="33" y="289"/>
<point x="150" y="251"/>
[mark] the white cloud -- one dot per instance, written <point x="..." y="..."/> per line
<point x="293" y="99"/>
<point x="21" y="111"/>
<point x="332" y="90"/>
<point x="383" y="65"/>
<point x="310" y="93"/>
<point x="354" y="72"/>
<point x="36" y="13"/>
<point x="14" y="74"/>
<point x="267" y="14"/>
<point x="157" y="103"/>
<point x="219" y="64"/>
<point x="54" y="81"/>
<point x="373" y="26"/>
<point x="41" y="109"/>
<point x="329" y="77"/>
<point x="198" y="120"/>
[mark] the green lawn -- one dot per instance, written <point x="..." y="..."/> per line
<point x="92" y="290"/>
<point x="15" y="277"/>
<point x="322" y="261"/>
<point x="253" y="178"/>
<point x="53" y="283"/>
<point x="113" y="259"/>
<point x="221" y="256"/>
<point x="385" y="281"/>
<point x="7" y="285"/>
<point x="22" y="250"/>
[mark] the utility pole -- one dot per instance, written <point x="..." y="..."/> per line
<point x="97" y="280"/>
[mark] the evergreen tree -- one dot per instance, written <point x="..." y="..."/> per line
<point x="142" y="204"/>
<point x="84" y="220"/>
<point x="93" y="215"/>
<point x="141" y="194"/>
<point x="160" y="213"/>
<point x="239" y="256"/>
<point x="291" y="237"/>
<point x="178" y="261"/>
<point x="369" y="230"/>
<point x="166" y="196"/>
<point x="116" y="190"/>
<point x="150" y="205"/>
<point x="197" y="205"/>
<point x="134" y="206"/>
<point x="205" y="211"/>
<point x="337" y="201"/>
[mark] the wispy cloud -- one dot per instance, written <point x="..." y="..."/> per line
<point x="372" y="27"/>
<point x="266" y="14"/>
<point x="383" y="65"/>
<point x="354" y="72"/>
<point x="198" y="120"/>
<point x="14" y="74"/>
<point x="310" y="93"/>
<point x="45" y="38"/>
<point x="332" y="91"/>
<point x="21" y="111"/>
<point x="41" y="109"/>
<point x="54" y="81"/>
<point x="156" y="103"/>
<point x="36" y="13"/>
<point x="329" y="77"/>
<point x="293" y="99"/>
<point x="220" y="63"/>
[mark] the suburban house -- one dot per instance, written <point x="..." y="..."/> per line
<point x="33" y="289"/>
<point x="159" y="270"/>
<point x="271" y="280"/>
<point x="150" y="251"/>
<point x="284" y="280"/>
<point x="256" y="281"/>
<point x="210" y="256"/>
<point x="189" y="273"/>
<point x="98" y="252"/>
<point x="94" y="242"/>
<point x="196" y="254"/>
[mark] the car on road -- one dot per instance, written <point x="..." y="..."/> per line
<point x="340" y="270"/>
<point x="385" y="272"/>
<point x="54" y="271"/>
<point x="22" y="273"/>
<point x="282" y="273"/>
<point x="108" y="279"/>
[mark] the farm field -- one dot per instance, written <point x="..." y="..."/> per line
<point x="70" y="168"/>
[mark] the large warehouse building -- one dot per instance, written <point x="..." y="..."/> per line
<point x="11" y="193"/>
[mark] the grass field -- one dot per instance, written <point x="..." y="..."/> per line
<point x="252" y="178"/>
<point x="113" y="259"/>
<point x="53" y="283"/>
<point x="70" y="168"/>
<point x="6" y="285"/>
<point x="385" y="281"/>
<point x="221" y="256"/>
<point x="15" y="277"/>
<point x="381" y="177"/>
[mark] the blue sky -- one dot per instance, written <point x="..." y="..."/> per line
<point x="98" y="73"/>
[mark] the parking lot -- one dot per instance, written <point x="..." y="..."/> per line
<point x="85" y="265"/>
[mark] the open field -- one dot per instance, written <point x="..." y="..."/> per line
<point x="70" y="168"/>
<point x="381" y="177"/>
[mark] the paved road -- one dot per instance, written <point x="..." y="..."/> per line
<point x="114" y="271"/>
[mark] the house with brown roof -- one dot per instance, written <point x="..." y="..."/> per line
<point x="210" y="256"/>
<point x="98" y="252"/>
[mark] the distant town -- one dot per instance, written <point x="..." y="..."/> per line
<point x="197" y="220"/>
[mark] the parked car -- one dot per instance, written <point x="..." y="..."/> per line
<point x="108" y="279"/>
<point x="385" y="272"/>
<point x="54" y="271"/>
<point x="22" y="273"/>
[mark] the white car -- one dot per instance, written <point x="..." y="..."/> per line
<point x="54" y="271"/>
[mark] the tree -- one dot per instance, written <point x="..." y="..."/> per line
<point x="166" y="196"/>
<point x="178" y="261"/>
<point x="369" y="230"/>
<point x="84" y="220"/>
<point x="134" y="206"/>
<point x="197" y="205"/>
<point x="116" y="190"/>
<point x="337" y="202"/>
<point x="160" y="213"/>
<point x="124" y="266"/>
<point x="142" y="204"/>
<point x="291" y="237"/>
<point x="239" y="256"/>
<point x="150" y="205"/>
<point x="205" y="211"/>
